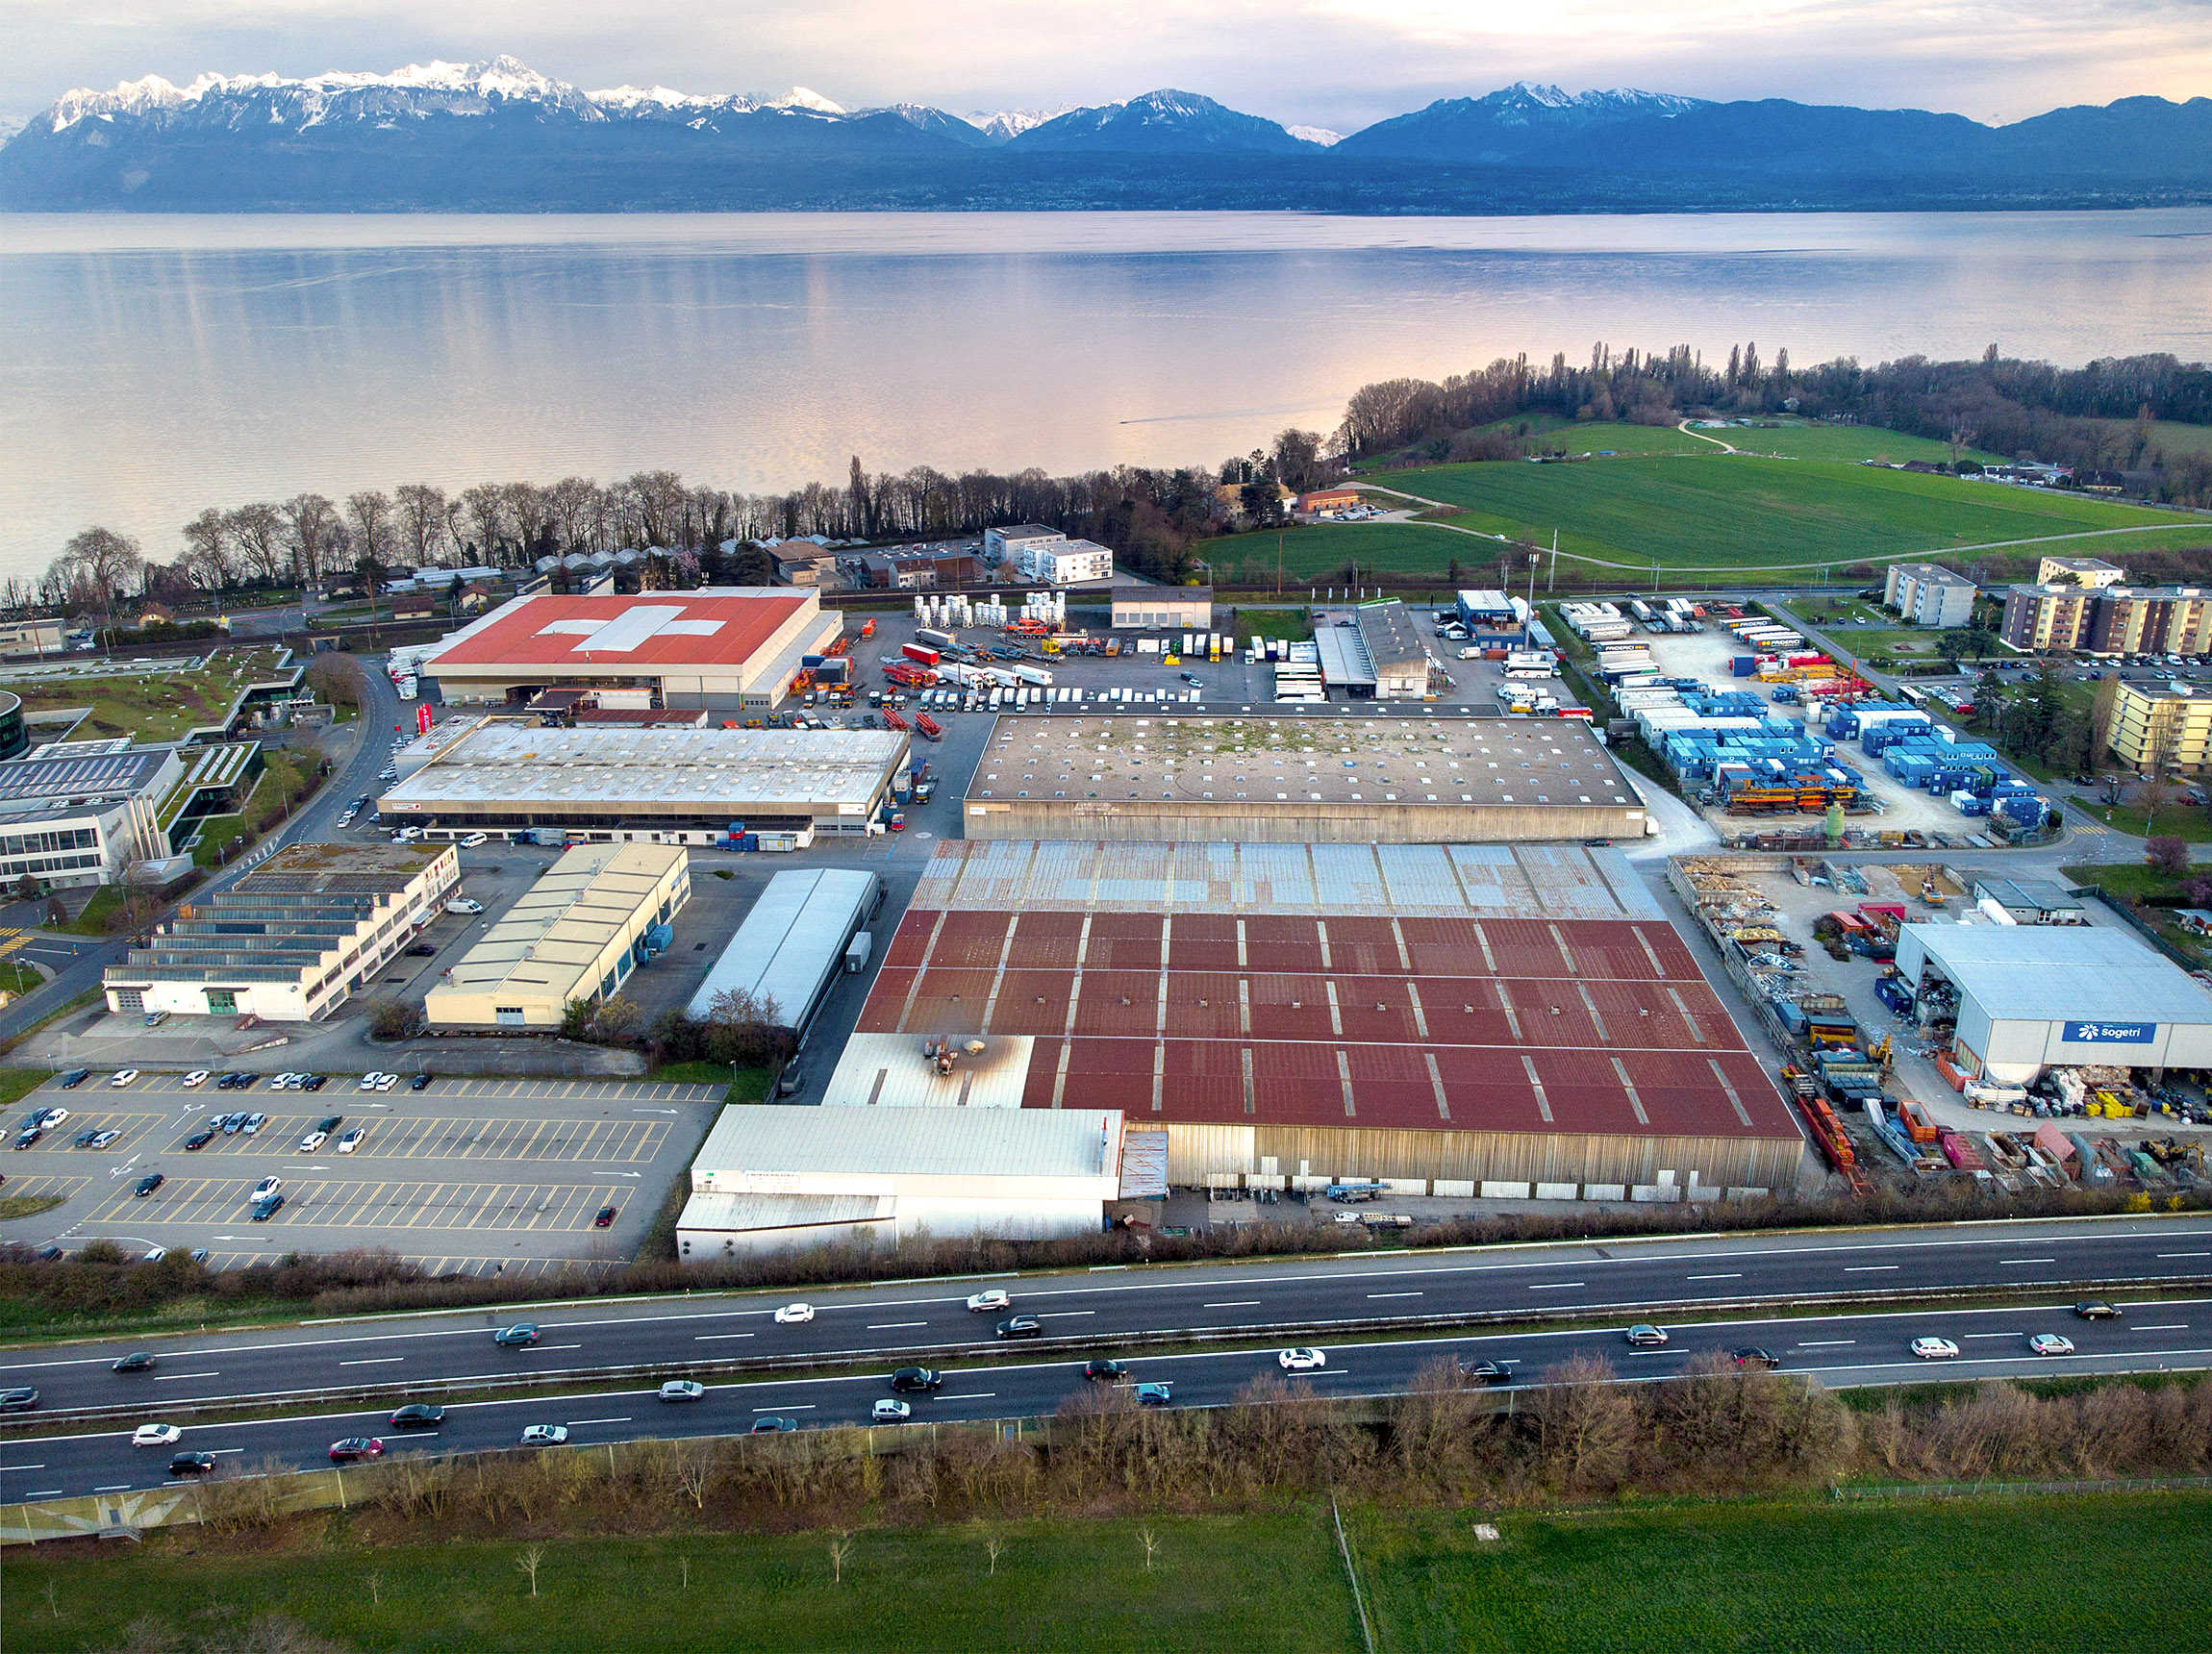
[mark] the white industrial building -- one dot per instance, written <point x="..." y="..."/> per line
<point x="794" y="943"/>
<point x="776" y="1178"/>
<point x="2038" y="996"/>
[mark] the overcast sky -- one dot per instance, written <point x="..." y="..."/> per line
<point x="1340" y="64"/>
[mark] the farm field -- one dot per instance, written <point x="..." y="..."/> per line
<point x="1797" y="440"/>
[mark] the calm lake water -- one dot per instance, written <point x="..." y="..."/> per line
<point x="150" y="366"/>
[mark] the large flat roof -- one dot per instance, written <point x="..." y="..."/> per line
<point x="552" y="938"/>
<point x="777" y="1138"/>
<point x="1265" y="760"/>
<point x="714" y="627"/>
<point x="101" y="775"/>
<point x="689" y="768"/>
<point x="2052" y="973"/>
<point x="792" y="940"/>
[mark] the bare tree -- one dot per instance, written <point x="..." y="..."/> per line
<point x="53" y="1598"/>
<point x="258" y="532"/>
<point x="375" y="1583"/>
<point x="208" y="550"/>
<point x="683" y="1563"/>
<point x="841" y="1548"/>
<point x="315" y="525"/>
<point x="418" y="513"/>
<point x="369" y="514"/>
<point x="1151" y="1545"/>
<point x="691" y="1466"/>
<point x="993" y="1547"/>
<point x="483" y="514"/>
<point x="527" y="1562"/>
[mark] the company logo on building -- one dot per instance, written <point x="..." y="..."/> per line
<point x="2109" y="1033"/>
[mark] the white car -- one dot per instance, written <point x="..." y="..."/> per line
<point x="1935" y="1349"/>
<point x="314" y="1141"/>
<point x="889" y="1410"/>
<point x="368" y="1080"/>
<point x="2050" y="1343"/>
<point x="544" y="1434"/>
<point x="254" y="1124"/>
<point x="794" y="1315"/>
<point x="347" y="1143"/>
<point x="1302" y="1359"/>
<point x="197" y="1078"/>
<point x="464" y="905"/>
<point x="681" y="1389"/>
<point x="281" y="1081"/>
<point x="1347" y="1217"/>
<point x="267" y="1187"/>
<point x="993" y="1299"/>
<point x="384" y="1082"/>
<point x="155" y="1254"/>
<point x="475" y="841"/>
<point x="156" y="1435"/>
<point x="122" y="1076"/>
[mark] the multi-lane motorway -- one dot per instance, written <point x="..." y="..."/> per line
<point x="1421" y="1301"/>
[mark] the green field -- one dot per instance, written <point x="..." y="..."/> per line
<point x="1797" y="440"/>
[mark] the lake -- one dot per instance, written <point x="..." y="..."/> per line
<point x="150" y="366"/>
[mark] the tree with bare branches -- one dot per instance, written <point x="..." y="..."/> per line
<point x="840" y="1552"/>
<point x="528" y="1564"/>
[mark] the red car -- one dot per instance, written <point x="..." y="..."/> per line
<point x="355" y="1448"/>
<point x="605" y="1219"/>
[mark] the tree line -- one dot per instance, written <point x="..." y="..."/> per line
<point x="2101" y="416"/>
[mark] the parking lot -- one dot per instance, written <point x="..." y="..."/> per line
<point x="466" y="1175"/>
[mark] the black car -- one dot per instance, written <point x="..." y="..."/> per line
<point x="147" y="1184"/>
<point x="17" y="1400"/>
<point x="315" y="1082"/>
<point x="1100" y="1370"/>
<point x="422" y="950"/>
<point x="1486" y="1372"/>
<point x="29" y="1136"/>
<point x="191" y="1464"/>
<point x="138" y="1361"/>
<point x="2096" y="1310"/>
<point x="418" y="1083"/>
<point x="266" y="1208"/>
<point x="913" y="1379"/>
<point x="770" y="1426"/>
<point x="226" y="1081"/>
<point x="74" y="1078"/>
<point x="200" y="1139"/>
<point x="1750" y="1355"/>
<point x="419" y="1415"/>
<point x="246" y="1082"/>
<point x="1021" y="1327"/>
<point x="329" y="1125"/>
<point x="84" y="1138"/>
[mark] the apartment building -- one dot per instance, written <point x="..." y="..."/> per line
<point x="2154" y="723"/>
<point x="2087" y="571"/>
<point x="2150" y="621"/>
<point x="1928" y="594"/>
<point x="2041" y="619"/>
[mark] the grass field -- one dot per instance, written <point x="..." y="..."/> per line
<point x="1965" y="1576"/>
<point x="16" y="1084"/>
<point x="1795" y="441"/>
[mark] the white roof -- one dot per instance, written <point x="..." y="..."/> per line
<point x="775" y="1137"/>
<point x="2051" y="973"/>
<point x="792" y="939"/>
<point x="889" y="1070"/>
<point x="785" y="1210"/>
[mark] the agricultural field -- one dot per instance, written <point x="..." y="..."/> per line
<point x="1798" y="439"/>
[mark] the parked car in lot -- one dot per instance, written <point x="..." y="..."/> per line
<point x="28" y="1136"/>
<point x="2096" y="1310"/>
<point x="200" y="1139"/>
<point x="476" y="841"/>
<point x="888" y="1410"/>
<point x="2050" y="1343"/>
<point x="544" y="1434"/>
<point x="355" y="1448"/>
<point x="138" y="1361"/>
<point x="681" y="1389"/>
<point x="267" y="1187"/>
<point x="1303" y="1360"/>
<point x="347" y="1143"/>
<point x="794" y="1315"/>
<point x="992" y="1299"/>
<point x="418" y="1083"/>
<point x="122" y="1076"/>
<point x="251" y="1123"/>
<point x="266" y="1208"/>
<point x="1935" y="1349"/>
<point x="464" y="905"/>
<point x="197" y="1078"/>
<point x="520" y="1336"/>
<point x="419" y="1415"/>
<point x="916" y="1380"/>
<point x="156" y="1435"/>
<point x="74" y="1078"/>
<point x="192" y="1465"/>
<point x="314" y="1141"/>
<point x="604" y="1218"/>
<point x="1646" y="1337"/>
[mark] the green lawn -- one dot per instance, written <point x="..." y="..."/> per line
<point x="1548" y="432"/>
<point x="1796" y="440"/>
<point x="1257" y="1585"/>
<point x="1995" y="1574"/>
<point x="16" y="1084"/>
<point x="1251" y="623"/>
<point x="152" y="707"/>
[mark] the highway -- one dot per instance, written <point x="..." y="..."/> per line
<point x="1109" y="1308"/>
<point x="1839" y="1349"/>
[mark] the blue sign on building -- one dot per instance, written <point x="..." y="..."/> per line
<point x="2109" y="1033"/>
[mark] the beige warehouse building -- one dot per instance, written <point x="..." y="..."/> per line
<point x="1299" y="780"/>
<point x="599" y="912"/>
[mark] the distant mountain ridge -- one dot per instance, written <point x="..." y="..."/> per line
<point x="498" y="136"/>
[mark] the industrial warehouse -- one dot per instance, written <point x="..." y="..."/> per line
<point x="725" y="648"/>
<point x="1303" y="780"/>
<point x="597" y="913"/>
<point x="661" y="786"/>
<point x="1512" y="1021"/>
<point x="800" y="933"/>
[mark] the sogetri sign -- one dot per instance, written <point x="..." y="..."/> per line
<point x="2108" y="1033"/>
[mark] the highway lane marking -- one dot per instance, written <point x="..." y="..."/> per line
<point x="811" y="1406"/>
<point x="972" y="1395"/>
<point x="560" y="1346"/>
<point x="5" y="1468"/>
<point x="1553" y="1286"/>
<point x="1826" y="1344"/>
<point x="1870" y="1268"/>
<point x="892" y="1326"/>
<point x="373" y="1360"/>
<point x="1993" y="1335"/>
<point x="1234" y="1304"/>
<point x="116" y="1487"/>
<point x="2027" y="1260"/>
<point x="576" y="1424"/>
<point x="1064" y="1314"/>
<point x="2185" y="1254"/>
<point x="713" y="1338"/>
<point x="1737" y="1276"/>
<point x="1395" y="1294"/>
<point x="175" y="1377"/>
<point x="2166" y="1327"/>
<point x="43" y="1494"/>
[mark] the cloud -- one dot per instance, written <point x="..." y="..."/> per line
<point x="1333" y="62"/>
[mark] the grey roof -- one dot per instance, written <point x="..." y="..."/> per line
<point x="1388" y="632"/>
<point x="2043" y="974"/>
<point x="1933" y="575"/>
<point x="2040" y="894"/>
<point x="1154" y="594"/>
<point x="106" y="775"/>
<point x="879" y="1143"/>
<point x="1026" y="531"/>
<point x="793" y="941"/>
<point x="785" y="1210"/>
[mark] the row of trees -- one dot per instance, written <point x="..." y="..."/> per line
<point x="2100" y="417"/>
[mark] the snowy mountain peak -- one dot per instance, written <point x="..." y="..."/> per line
<point x="460" y="88"/>
<point x="801" y="97"/>
<point x="1319" y="135"/>
<point x="1010" y="123"/>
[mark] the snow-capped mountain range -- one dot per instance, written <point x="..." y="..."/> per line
<point x="498" y="136"/>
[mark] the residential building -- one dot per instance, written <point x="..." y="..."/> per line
<point x="917" y="570"/>
<point x="2041" y="619"/>
<point x="598" y="913"/>
<point x="2150" y="621"/>
<point x="1928" y="594"/>
<point x="2085" y="571"/>
<point x="1066" y="562"/>
<point x="2160" y="722"/>
<point x="1326" y="500"/>
<point x="1163" y="607"/>
<point x="290" y="941"/>
<point x="1002" y="544"/>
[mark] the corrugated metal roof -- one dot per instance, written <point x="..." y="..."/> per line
<point x="891" y="1071"/>
<point x="549" y="943"/>
<point x="793" y="940"/>
<point x="776" y="1138"/>
<point x="715" y="1212"/>
<point x="2051" y="973"/>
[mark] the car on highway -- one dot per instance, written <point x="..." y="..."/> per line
<point x="18" y="1400"/>
<point x="1099" y="1370"/>
<point x="1643" y="1336"/>
<point x="769" y="1424"/>
<point x="476" y="841"/>
<point x="355" y="1448"/>
<point x="2050" y="1343"/>
<point x="200" y="1139"/>
<point x="156" y="1435"/>
<point x="520" y="1336"/>
<point x="1301" y="1360"/>
<point x="2096" y="1310"/>
<point x="888" y="1410"/>
<point x="993" y="1299"/>
<point x="794" y="1315"/>
<point x="192" y="1465"/>
<point x="1152" y="1394"/>
<point x="681" y="1389"/>
<point x="347" y="1143"/>
<point x="1935" y="1349"/>
<point x="1486" y="1372"/>
<point x="267" y="1187"/>
<point x="1751" y="1356"/>
<point x="194" y="1080"/>
<point x="418" y="1083"/>
<point x="122" y="1076"/>
<point x="419" y="1415"/>
<point x="147" y="1184"/>
<point x="603" y="1218"/>
<point x="138" y="1361"/>
<point x="1019" y="1327"/>
<point x="916" y="1380"/>
<point x="74" y="1078"/>
<point x="544" y="1434"/>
